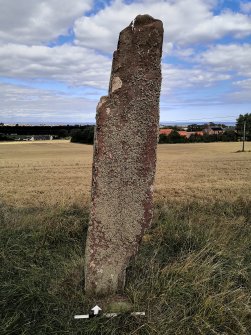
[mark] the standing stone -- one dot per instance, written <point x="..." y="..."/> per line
<point x="124" y="156"/>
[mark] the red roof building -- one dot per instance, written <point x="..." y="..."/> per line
<point x="166" y="131"/>
<point x="187" y="134"/>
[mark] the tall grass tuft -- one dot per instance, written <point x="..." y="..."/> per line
<point x="192" y="274"/>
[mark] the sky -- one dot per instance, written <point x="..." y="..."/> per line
<point x="56" y="55"/>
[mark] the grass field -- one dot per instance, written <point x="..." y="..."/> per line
<point x="193" y="271"/>
<point x="59" y="173"/>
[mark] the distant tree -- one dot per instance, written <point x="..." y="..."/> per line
<point x="175" y="137"/>
<point x="171" y="127"/>
<point x="163" y="138"/>
<point x="195" y="138"/>
<point x="85" y="135"/>
<point x="211" y="138"/>
<point x="240" y="125"/>
<point x="229" y="136"/>
<point x="195" y="127"/>
<point x="62" y="133"/>
<point x="6" y="138"/>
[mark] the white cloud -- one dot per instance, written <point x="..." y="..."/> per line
<point x="243" y="91"/>
<point x="245" y="7"/>
<point x="26" y="27"/>
<point x="70" y="64"/>
<point x="246" y="84"/>
<point x="32" y="21"/>
<point x="77" y="66"/>
<point x="183" y="53"/>
<point x="230" y="57"/>
<point x="175" y="78"/>
<point x="216" y="27"/>
<point x="23" y="104"/>
<point x="183" y="23"/>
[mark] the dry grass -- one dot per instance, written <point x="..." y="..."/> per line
<point x="59" y="173"/>
<point x="203" y="172"/>
<point x="44" y="174"/>
<point x="191" y="275"/>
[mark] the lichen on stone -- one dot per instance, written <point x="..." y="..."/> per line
<point x="124" y="157"/>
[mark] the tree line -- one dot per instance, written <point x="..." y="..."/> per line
<point x="77" y="133"/>
<point x="229" y="135"/>
<point x="245" y="118"/>
<point x="175" y="137"/>
<point x="85" y="133"/>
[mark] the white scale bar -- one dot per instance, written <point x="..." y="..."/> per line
<point x="81" y="316"/>
<point x="109" y="315"/>
<point x="138" y="313"/>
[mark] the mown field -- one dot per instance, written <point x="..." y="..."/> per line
<point x="193" y="271"/>
<point x="59" y="173"/>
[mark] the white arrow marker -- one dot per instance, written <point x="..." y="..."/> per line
<point x="96" y="309"/>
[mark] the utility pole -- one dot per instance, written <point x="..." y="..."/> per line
<point x="244" y="136"/>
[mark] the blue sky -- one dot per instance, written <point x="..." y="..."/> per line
<point x="55" y="57"/>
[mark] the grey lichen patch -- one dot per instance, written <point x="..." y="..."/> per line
<point x="124" y="157"/>
<point x="116" y="84"/>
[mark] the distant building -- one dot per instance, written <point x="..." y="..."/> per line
<point x="41" y="138"/>
<point x="213" y="130"/>
<point x="165" y="131"/>
<point x="187" y="134"/>
<point x="183" y="133"/>
<point x="198" y="133"/>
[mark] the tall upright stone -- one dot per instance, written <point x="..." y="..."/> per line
<point x="124" y="156"/>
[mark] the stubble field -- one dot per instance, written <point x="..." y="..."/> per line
<point x="191" y="275"/>
<point x="59" y="173"/>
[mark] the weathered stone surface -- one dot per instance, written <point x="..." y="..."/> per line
<point x="124" y="156"/>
